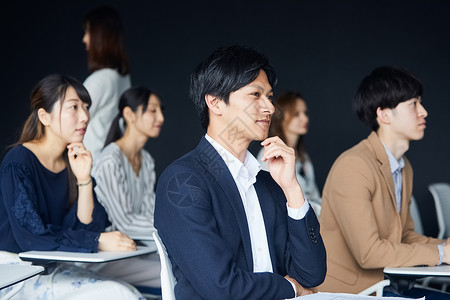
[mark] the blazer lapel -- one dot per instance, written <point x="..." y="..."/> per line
<point x="406" y="191"/>
<point x="385" y="167"/>
<point x="216" y="167"/>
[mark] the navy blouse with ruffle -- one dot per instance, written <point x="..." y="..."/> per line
<point x="33" y="208"/>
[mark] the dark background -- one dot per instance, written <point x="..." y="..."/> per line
<point x="321" y="48"/>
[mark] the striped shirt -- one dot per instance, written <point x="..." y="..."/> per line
<point x="128" y="199"/>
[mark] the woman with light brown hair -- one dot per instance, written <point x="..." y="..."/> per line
<point x="109" y="71"/>
<point x="290" y="122"/>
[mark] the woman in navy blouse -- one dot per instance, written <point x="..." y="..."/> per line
<point x="47" y="199"/>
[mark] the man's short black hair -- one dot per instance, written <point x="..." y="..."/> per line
<point x="385" y="87"/>
<point x="226" y="70"/>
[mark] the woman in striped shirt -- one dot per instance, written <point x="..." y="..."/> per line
<point x="125" y="178"/>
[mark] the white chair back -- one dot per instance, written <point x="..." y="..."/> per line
<point x="441" y="197"/>
<point x="168" y="281"/>
<point x="317" y="207"/>
<point x="415" y="215"/>
<point x="376" y="289"/>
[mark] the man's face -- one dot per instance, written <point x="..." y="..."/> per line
<point x="408" y="119"/>
<point x="247" y="116"/>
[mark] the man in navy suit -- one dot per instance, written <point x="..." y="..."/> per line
<point x="233" y="231"/>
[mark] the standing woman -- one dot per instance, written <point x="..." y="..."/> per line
<point x="109" y="71"/>
<point x="125" y="176"/>
<point x="47" y="200"/>
<point x="290" y="123"/>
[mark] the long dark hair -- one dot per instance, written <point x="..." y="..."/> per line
<point x="132" y="98"/>
<point x="44" y="95"/>
<point x="107" y="47"/>
<point x="284" y="106"/>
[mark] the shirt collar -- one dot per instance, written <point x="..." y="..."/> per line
<point x="393" y="162"/>
<point x="251" y="164"/>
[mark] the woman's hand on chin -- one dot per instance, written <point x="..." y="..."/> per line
<point x="80" y="160"/>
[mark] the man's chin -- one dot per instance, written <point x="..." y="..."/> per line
<point x="261" y="137"/>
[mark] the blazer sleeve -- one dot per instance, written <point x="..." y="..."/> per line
<point x="305" y="254"/>
<point x="349" y="191"/>
<point x="27" y="226"/>
<point x="202" y="260"/>
<point x="410" y="236"/>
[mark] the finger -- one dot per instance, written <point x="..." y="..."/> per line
<point x="125" y="240"/>
<point x="76" y="145"/>
<point x="78" y="153"/>
<point x="278" y="152"/>
<point x="270" y="148"/>
<point x="273" y="139"/>
<point x="130" y="246"/>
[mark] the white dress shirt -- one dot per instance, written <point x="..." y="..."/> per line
<point x="244" y="175"/>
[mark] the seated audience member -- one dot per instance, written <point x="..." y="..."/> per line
<point x="231" y="231"/>
<point x="290" y="123"/>
<point x="109" y="71"/>
<point x="125" y="176"/>
<point x="47" y="199"/>
<point x="365" y="219"/>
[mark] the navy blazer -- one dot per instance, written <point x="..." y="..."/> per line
<point x="201" y="220"/>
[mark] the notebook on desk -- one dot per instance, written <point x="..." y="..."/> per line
<point x="99" y="257"/>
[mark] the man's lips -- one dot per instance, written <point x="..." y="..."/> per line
<point x="263" y="122"/>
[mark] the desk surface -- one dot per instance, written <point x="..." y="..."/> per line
<point x="12" y="273"/>
<point x="102" y="256"/>
<point x="420" y="271"/>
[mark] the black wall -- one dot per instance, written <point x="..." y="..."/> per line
<point x="321" y="48"/>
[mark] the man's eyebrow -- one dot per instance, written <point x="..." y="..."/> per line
<point x="259" y="87"/>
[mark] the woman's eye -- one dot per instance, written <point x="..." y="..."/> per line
<point x="256" y="94"/>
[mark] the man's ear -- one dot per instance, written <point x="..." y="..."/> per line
<point x="213" y="104"/>
<point x="384" y="115"/>
<point x="44" y="117"/>
<point x="129" y="115"/>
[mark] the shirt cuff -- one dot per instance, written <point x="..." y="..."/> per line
<point x="295" y="290"/>
<point x="441" y="254"/>
<point x="298" y="213"/>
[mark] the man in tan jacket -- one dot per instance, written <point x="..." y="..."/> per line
<point x="365" y="219"/>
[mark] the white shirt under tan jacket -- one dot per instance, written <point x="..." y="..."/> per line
<point x="128" y="199"/>
<point x="105" y="87"/>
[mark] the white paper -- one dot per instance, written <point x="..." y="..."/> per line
<point x="342" y="296"/>
<point x="102" y="256"/>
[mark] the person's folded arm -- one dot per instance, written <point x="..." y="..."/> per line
<point x="350" y="199"/>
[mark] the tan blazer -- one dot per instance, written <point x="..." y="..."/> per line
<point x="360" y="225"/>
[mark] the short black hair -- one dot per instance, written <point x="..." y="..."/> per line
<point x="385" y="87"/>
<point x="226" y="70"/>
